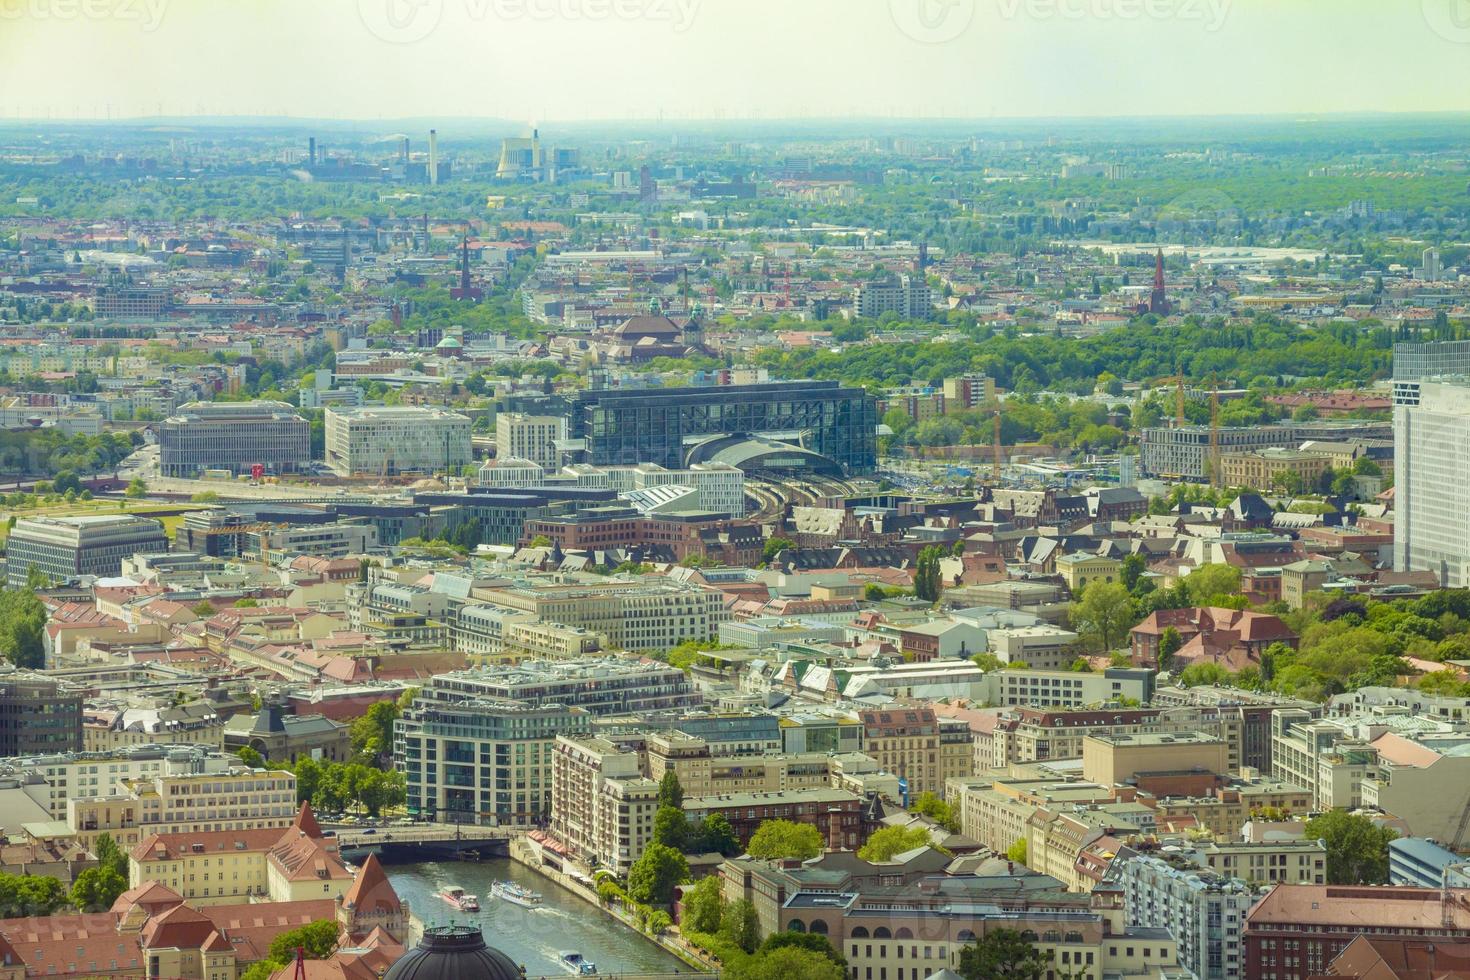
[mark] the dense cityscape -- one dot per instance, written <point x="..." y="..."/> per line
<point x="778" y="545"/>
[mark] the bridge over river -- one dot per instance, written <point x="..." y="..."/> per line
<point x="423" y="842"/>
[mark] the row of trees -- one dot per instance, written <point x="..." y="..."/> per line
<point x="94" y="890"/>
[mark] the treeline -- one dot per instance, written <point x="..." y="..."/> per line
<point x="1263" y="353"/>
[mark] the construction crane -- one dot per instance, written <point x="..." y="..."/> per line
<point x="1177" y="380"/>
<point x="1215" y="479"/>
<point x="995" y="463"/>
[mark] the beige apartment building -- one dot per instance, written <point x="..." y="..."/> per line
<point x="631" y="615"/>
<point x="1291" y="862"/>
<point x="237" y="866"/>
<point x="602" y="806"/>
<point x="241" y="799"/>
<point x="703" y="773"/>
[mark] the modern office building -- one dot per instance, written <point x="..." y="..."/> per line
<point x="1182" y="452"/>
<point x="480" y="760"/>
<point x="38" y="715"/>
<point x="908" y="296"/>
<point x="234" y="436"/>
<point x="126" y="301"/>
<point x="67" y="548"/>
<point x="532" y="437"/>
<point x="1205" y="912"/>
<point x="1431" y="423"/>
<point x="388" y="441"/>
<point x="1415" y="361"/>
<point x="785" y="425"/>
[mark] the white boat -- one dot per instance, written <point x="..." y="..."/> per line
<point x="515" y="894"/>
<point x="456" y="896"/>
<point x="575" y="963"/>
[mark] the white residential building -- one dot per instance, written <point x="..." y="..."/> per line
<point x="529" y="437"/>
<point x="388" y="441"/>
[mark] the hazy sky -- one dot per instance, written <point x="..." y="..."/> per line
<point x="629" y="59"/>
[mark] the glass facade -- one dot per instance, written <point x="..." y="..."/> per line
<point x="625" y="427"/>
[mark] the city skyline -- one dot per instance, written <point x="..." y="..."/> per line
<point x="650" y="59"/>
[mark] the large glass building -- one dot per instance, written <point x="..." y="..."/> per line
<point x="624" y="427"/>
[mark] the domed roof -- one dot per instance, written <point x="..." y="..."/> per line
<point x="453" y="953"/>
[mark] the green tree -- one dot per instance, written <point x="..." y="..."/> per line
<point x="740" y="926"/>
<point x="703" y="904"/>
<point x="1169" y="643"/>
<point x="97" y="888"/>
<point x="26" y="896"/>
<point x="1204" y="675"/>
<point x="987" y="662"/>
<point x="109" y="855"/>
<point x="203" y="609"/>
<point x="1208" y="583"/>
<point x="22" y="627"/>
<point x="928" y="579"/>
<point x="317" y="941"/>
<point x="136" y="489"/>
<point x="1104" y="614"/>
<point x="670" y="793"/>
<point x="715" y="835"/>
<point x="655" y="874"/>
<point x="1357" y="848"/>
<point x="810" y="941"/>
<point x="251" y="757"/>
<point x="1017" y="851"/>
<point x="780" y="840"/>
<point x="774" y="546"/>
<point x="671" y="828"/>
<point x="1003" y="954"/>
<point x="1134" y="565"/>
<point x="372" y="733"/>
<point x="785" y="963"/>
<point x="887" y="842"/>
<point x="936" y="809"/>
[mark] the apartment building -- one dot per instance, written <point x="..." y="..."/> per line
<point x="602" y="807"/>
<point x="529" y="437"/>
<point x="631" y="615"/>
<point x="906" y="742"/>
<point x="480" y="760"/>
<point x="181" y="803"/>
<point x="53" y="779"/>
<point x="609" y="686"/>
<point x="239" y="866"/>
<point x="1068" y="689"/>
<point x="1269" y="862"/>
<point x="1324" y="756"/>
<point x="836" y="813"/>
<point x="489" y="633"/>
<point x="1204" y="912"/>
<point x="389" y="441"/>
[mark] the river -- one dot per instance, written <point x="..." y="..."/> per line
<point x="530" y="937"/>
